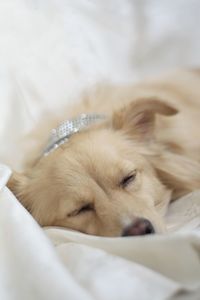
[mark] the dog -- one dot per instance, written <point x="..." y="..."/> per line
<point x="117" y="176"/>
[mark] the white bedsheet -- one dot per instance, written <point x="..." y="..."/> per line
<point x="49" y="52"/>
<point x="88" y="267"/>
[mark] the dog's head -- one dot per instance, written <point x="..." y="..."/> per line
<point x="101" y="181"/>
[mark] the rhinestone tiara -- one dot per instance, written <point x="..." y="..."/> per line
<point x="62" y="133"/>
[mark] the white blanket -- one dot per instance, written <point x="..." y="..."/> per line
<point x="88" y="267"/>
<point x="49" y="52"/>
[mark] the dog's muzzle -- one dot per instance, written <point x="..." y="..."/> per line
<point x="139" y="226"/>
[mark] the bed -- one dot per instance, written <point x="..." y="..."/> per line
<point x="50" y="52"/>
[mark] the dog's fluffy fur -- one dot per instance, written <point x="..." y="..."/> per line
<point x="146" y="154"/>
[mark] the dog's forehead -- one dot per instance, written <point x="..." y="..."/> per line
<point x="92" y="153"/>
<point x="100" y="152"/>
<point x="97" y="144"/>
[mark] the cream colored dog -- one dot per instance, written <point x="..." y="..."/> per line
<point x="118" y="176"/>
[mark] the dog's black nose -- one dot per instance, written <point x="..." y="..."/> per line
<point x="139" y="227"/>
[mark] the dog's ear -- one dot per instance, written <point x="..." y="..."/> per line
<point x="138" y="118"/>
<point x="18" y="184"/>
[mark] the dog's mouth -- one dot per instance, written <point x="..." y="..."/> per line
<point x="139" y="226"/>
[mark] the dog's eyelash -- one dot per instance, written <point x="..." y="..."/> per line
<point x="128" y="179"/>
<point x="84" y="209"/>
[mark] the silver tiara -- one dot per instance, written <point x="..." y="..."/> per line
<point x="62" y="133"/>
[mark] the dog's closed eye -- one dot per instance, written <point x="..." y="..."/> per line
<point x="128" y="179"/>
<point x="84" y="209"/>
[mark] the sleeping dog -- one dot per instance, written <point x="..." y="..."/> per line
<point x="114" y="170"/>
